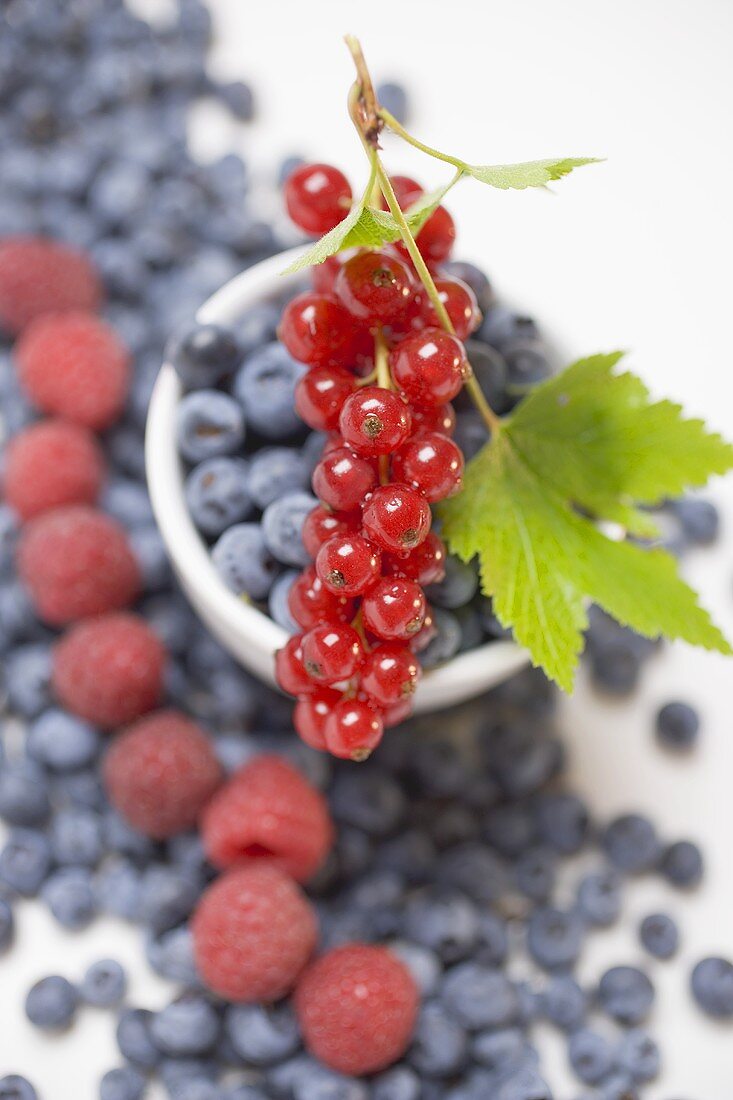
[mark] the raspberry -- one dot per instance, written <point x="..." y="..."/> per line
<point x="109" y="670"/>
<point x="267" y="812"/>
<point x="160" y="772"/>
<point x="74" y="366"/>
<point x="39" y="276"/>
<point x="50" y="464"/>
<point x="356" y="1006"/>
<point x="253" y="932"/>
<point x="76" y="563"/>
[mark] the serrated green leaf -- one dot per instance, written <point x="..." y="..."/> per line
<point x="593" y="441"/>
<point x="530" y="173"/>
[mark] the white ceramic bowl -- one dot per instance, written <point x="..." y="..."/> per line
<point x="251" y="637"/>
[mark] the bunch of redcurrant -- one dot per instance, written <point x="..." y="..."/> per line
<point x="382" y="376"/>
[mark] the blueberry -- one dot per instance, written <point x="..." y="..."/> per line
<point x="631" y="843"/>
<point x="62" y="742"/>
<point x="265" y="387"/>
<point x="217" y="494"/>
<point x="476" y="279"/>
<point x="524" y="1084"/>
<point x="148" y="547"/>
<point x="399" y="1083"/>
<point x="121" y="838"/>
<point x="504" y="1050"/>
<point x="699" y="520"/>
<point x="591" y="1056"/>
<point x="69" y="894"/>
<point x="244" y="561"/>
<point x="480" y="997"/>
<point x="618" y="1086"/>
<point x="167" y="896"/>
<point x="80" y="789"/>
<point x="626" y="994"/>
<point x="712" y="987"/>
<point x="128" y="502"/>
<point x="393" y="98"/>
<point x="526" y="365"/>
<point x="554" y="938"/>
<point x="439" y="1045"/>
<point x="15" y="1087"/>
<point x="445" y="922"/>
<point x="447" y="640"/>
<point x="501" y="327"/>
<point x="210" y="424"/>
<point x="562" y="822"/>
<point x="7" y="925"/>
<point x="372" y="800"/>
<point x="277" y="603"/>
<point x="76" y="837"/>
<point x="262" y="1035"/>
<point x="203" y="355"/>
<point x="25" y="861"/>
<point x="238" y="98"/>
<point x="677" y="726"/>
<point x="171" y="956"/>
<point x="564" y="1003"/>
<point x="187" y="1026"/>
<point x="51" y="1003"/>
<point x="475" y="870"/>
<point x="510" y="828"/>
<point x="117" y="887"/>
<point x="535" y="873"/>
<point x="457" y="588"/>
<point x="8" y="535"/>
<point x="615" y="666"/>
<point x="23" y="794"/>
<point x="104" y="984"/>
<point x="275" y="471"/>
<point x="125" y="1083"/>
<point x="472" y="630"/>
<point x="638" y="1055"/>
<point x="599" y="898"/>
<point x="134" y="1038"/>
<point x="682" y="864"/>
<point x="659" y="935"/>
<point x="282" y="527"/>
<point x="493" y="939"/>
<point x="125" y="451"/>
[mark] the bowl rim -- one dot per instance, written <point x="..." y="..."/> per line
<point x="232" y="619"/>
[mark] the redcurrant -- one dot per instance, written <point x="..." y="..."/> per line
<point x="429" y="367"/>
<point x="317" y="197"/>
<point x="394" y="609"/>
<point x="348" y="564"/>
<point x="374" y="421"/>
<point x="332" y="652"/>
<point x="425" y="564"/>
<point x="437" y="237"/>
<point x="323" y="276"/>
<point x="353" y="730"/>
<point x="316" y="329"/>
<point x="390" y="674"/>
<point x="460" y="303"/>
<point x="375" y="287"/>
<point x="397" y="713"/>
<point x="322" y="524"/>
<point x="439" y="418"/>
<point x="396" y="517"/>
<point x="320" y="394"/>
<point x="342" y="479"/>
<point x="311" y="603"/>
<point x="430" y="462"/>
<point x="407" y="191"/>
<point x="310" y="714"/>
<point x="425" y="634"/>
<point x="290" y="670"/>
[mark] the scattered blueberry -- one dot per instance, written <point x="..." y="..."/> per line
<point x="217" y="494"/>
<point x="677" y="726"/>
<point x="125" y="1083"/>
<point x="631" y="843"/>
<point x="626" y="994"/>
<point x="244" y="561"/>
<point x="554" y="938"/>
<point x="638" y="1055"/>
<point x="591" y="1056"/>
<point x="599" y="898"/>
<point x="69" y="894"/>
<point x="203" y="355"/>
<point x="134" y="1038"/>
<point x="25" y="861"/>
<point x="51" y="1003"/>
<point x="659" y="935"/>
<point x="15" y="1087"/>
<point x="682" y="864"/>
<point x="188" y="1026"/>
<point x="62" y="742"/>
<point x="712" y="987"/>
<point x="7" y="925"/>
<point x="104" y="984"/>
<point x="262" y="1035"/>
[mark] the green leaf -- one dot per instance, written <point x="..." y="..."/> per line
<point x="585" y="444"/>
<point x="530" y="173"/>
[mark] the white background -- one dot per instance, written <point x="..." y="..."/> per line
<point x="634" y="253"/>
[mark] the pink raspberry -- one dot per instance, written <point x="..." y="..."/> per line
<point x="73" y="365"/>
<point x="357" y="1006"/>
<point x="159" y="773"/>
<point x="76" y="563"/>
<point x="268" y="812"/>
<point x="253" y="932"/>
<point x="109" y="670"/>
<point x="40" y="276"/>
<point x="50" y="464"/>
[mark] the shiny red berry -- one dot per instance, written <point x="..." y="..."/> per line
<point x="394" y="609"/>
<point x="353" y="730"/>
<point x="375" y="287"/>
<point x="390" y="674"/>
<point x="397" y="713"/>
<point x="407" y="191"/>
<point x="429" y="367"/>
<point x="430" y="462"/>
<point x="425" y="564"/>
<point x="323" y="276"/>
<point x="317" y="197"/>
<point x="290" y="671"/>
<point x="397" y="518"/>
<point x="460" y="303"/>
<point x="310" y="714"/>
<point x="332" y="652"/>
<point x="311" y="603"/>
<point x="342" y="479"/>
<point x="321" y="524"/>
<point x="425" y="634"/>
<point x="438" y="418"/>
<point x="437" y="237"/>
<point x="316" y="329"/>
<point x="320" y="394"/>
<point x="374" y="421"/>
<point x="348" y="564"/>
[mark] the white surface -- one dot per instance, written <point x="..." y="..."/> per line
<point x="634" y="253"/>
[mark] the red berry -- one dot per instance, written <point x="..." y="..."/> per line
<point x="425" y="564"/>
<point x="322" y="524"/>
<point x="160" y="772"/>
<point x="375" y="287"/>
<point x="317" y="330"/>
<point x="332" y="653"/>
<point x="353" y="730"/>
<point x="439" y="418"/>
<point x="460" y="303"/>
<point x="109" y="670"/>
<point x="310" y="714"/>
<point x="425" y="634"/>
<point x="323" y="276"/>
<point x="348" y="564"/>
<point x="430" y="462"/>
<point x="342" y="479"/>
<point x="429" y="367"/>
<point x="52" y="463"/>
<point x="317" y="196"/>
<point x="407" y="191"/>
<point x="75" y="563"/>
<point x="357" y="1006"/>
<point x="290" y="672"/>
<point x="253" y="932"/>
<point x="390" y="674"/>
<point x="397" y="713"/>
<point x="268" y="813"/>
<point x="319" y="396"/>
<point x="40" y="276"/>
<point x="437" y="237"/>
<point x="397" y="518"/>
<point x="374" y="421"/>
<point x="74" y="366"/>
<point x="394" y="609"/>
<point x="311" y="602"/>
